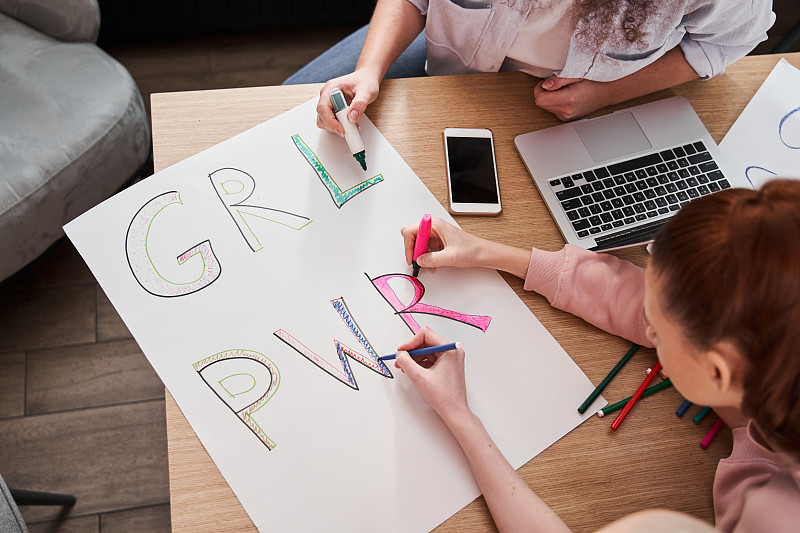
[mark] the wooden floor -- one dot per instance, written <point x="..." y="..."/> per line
<point x="248" y="60"/>
<point x="81" y="410"/>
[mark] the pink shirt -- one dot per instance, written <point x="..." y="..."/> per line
<point x="602" y="289"/>
<point x="755" y="489"/>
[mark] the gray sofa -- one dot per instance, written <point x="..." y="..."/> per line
<point x="10" y="518"/>
<point x="73" y="127"/>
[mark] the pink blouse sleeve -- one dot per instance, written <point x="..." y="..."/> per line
<point x="600" y="288"/>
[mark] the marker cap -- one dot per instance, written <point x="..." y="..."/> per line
<point x="337" y="99"/>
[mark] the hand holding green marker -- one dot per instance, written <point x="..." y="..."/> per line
<point x="351" y="135"/>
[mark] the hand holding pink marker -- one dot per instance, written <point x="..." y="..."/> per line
<point x="421" y="244"/>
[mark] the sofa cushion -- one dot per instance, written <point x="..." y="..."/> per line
<point x="10" y="518"/>
<point x="67" y="20"/>
<point x="73" y="129"/>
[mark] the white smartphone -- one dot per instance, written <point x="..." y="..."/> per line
<point x="471" y="172"/>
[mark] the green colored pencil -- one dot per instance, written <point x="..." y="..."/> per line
<point x="596" y="392"/>
<point x="647" y="392"/>
<point x="701" y="415"/>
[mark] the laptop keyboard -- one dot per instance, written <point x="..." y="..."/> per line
<point x="613" y="197"/>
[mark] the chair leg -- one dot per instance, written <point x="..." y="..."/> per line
<point x="32" y="497"/>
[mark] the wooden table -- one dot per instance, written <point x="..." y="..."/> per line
<point x="653" y="461"/>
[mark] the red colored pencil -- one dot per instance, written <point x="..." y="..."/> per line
<point x="712" y="433"/>
<point x="638" y="394"/>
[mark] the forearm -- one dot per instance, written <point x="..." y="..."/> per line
<point x="600" y="288"/>
<point x="514" y="506"/>
<point x="394" y="25"/>
<point x="669" y="70"/>
<point x="504" y="257"/>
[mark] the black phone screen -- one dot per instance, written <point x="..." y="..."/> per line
<point x="472" y="171"/>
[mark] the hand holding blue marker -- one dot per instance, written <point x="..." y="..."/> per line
<point x="351" y="135"/>
<point x="425" y="351"/>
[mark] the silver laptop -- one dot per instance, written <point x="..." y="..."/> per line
<point x="613" y="181"/>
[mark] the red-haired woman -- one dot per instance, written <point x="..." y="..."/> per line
<point x="720" y="302"/>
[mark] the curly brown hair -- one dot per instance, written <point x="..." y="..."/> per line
<point x="620" y="21"/>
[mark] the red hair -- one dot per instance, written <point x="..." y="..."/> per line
<point x="729" y="268"/>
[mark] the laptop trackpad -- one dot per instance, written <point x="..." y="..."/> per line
<point x="612" y="136"/>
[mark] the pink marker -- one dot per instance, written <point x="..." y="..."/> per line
<point x="421" y="244"/>
<point x="712" y="433"/>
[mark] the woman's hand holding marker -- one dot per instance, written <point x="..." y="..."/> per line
<point x="453" y="247"/>
<point x="360" y="88"/>
<point x="439" y="378"/>
<point x="447" y="246"/>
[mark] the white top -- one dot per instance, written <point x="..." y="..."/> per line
<point x="542" y="44"/>
<point x="711" y="33"/>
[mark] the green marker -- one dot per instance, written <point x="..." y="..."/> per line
<point x="620" y="404"/>
<point x="351" y="135"/>
<point x="701" y="415"/>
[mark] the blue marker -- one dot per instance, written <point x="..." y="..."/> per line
<point x="683" y="408"/>
<point x="426" y="351"/>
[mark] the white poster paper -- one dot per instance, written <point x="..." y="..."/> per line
<point x="764" y="142"/>
<point x="264" y="276"/>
